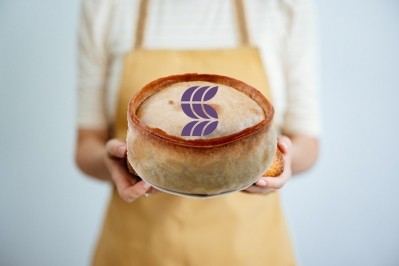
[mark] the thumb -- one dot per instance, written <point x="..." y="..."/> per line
<point x="116" y="148"/>
<point x="284" y="144"/>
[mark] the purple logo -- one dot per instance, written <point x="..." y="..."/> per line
<point x="206" y="118"/>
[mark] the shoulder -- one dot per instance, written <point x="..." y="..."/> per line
<point x="293" y="8"/>
<point x="296" y="3"/>
<point x="99" y="8"/>
<point x="96" y="3"/>
<point x="92" y="6"/>
<point x="97" y="16"/>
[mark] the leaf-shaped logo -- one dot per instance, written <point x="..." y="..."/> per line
<point x="192" y="103"/>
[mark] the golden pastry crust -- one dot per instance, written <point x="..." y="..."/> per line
<point x="200" y="167"/>
<point x="275" y="169"/>
<point x="161" y="83"/>
<point x="164" y="109"/>
<point x="277" y="166"/>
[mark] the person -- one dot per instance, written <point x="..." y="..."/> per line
<point x="125" y="44"/>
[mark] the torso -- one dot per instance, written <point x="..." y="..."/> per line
<point x="267" y="23"/>
<point x="236" y="229"/>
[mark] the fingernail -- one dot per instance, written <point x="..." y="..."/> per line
<point x="285" y="144"/>
<point x="283" y="147"/>
<point x="262" y="183"/>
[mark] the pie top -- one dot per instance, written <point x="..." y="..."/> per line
<point x="200" y="109"/>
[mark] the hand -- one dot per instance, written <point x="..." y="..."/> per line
<point x="267" y="185"/>
<point x="129" y="187"/>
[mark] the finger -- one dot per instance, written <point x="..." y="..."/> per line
<point x="127" y="186"/>
<point x="284" y="144"/>
<point x="258" y="190"/>
<point x="119" y="175"/>
<point x="261" y="182"/>
<point x="116" y="148"/>
<point x="131" y="193"/>
<point x="153" y="190"/>
<point x="273" y="182"/>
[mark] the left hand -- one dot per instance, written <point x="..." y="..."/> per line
<point x="267" y="185"/>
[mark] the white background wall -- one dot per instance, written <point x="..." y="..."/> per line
<point x="344" y="212"/>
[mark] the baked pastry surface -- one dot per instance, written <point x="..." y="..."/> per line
<point x="234" y="156"/>
<point x="235" y="110"/>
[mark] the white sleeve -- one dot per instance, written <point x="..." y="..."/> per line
<point x="92" y="64"/>
<point x="302" y="114"/>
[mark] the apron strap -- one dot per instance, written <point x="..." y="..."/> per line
<point x="138" y="43"/>
<point x="241" y="23"/>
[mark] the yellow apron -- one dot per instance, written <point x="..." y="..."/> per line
<point x="162" y="229"/>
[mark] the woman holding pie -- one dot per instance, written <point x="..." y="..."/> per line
<point x="124" y="45"/>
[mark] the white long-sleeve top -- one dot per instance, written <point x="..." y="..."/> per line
<point x="283" y="30"/>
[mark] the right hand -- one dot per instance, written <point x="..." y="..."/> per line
<point x="129" y="187"/>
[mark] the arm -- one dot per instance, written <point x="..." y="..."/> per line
<point x="95" y="154"/>
<point x="301" y="118"/>
<point x="305" y="151"/>
<point x="90" y="153"/>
